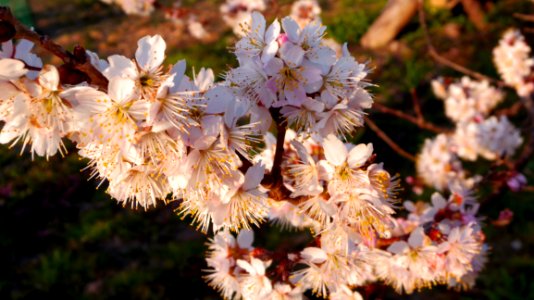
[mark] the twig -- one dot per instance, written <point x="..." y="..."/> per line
<point x="381" y="134"/>
<point x="421" y="123"/>
<point x="82" y="63"/>
<point x="510" y="111"/>
<point x="524" y="17"/>
<point x="416" y="104"/>
<point x="475" y="13"/>
<point x="444" y="61"/>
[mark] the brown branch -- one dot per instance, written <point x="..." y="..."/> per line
<point x="416" y="104"/>
<point x="421" y="123"/>
<point x="381" y="134"/>
<point x="524" y="17"/>
<point x="475" y="13"/>
<point x="82" y="63"/>
<point x="510" y="111"/>
<point x="444" y="61"/>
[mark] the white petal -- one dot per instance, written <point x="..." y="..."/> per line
<point x="11" y="69"/>
<point x="120" y="66"/>
<point x="359" y="155"/>
<point x="291" y="28"/>
<point x="150" y="52"/>
<point x="243" y="264"/>
<point x="417" y="237"/>
<point x="245" y="239"/>
<point x="254" y="176"/>
<point x="87" y="100"/>
<point x="49" y="77"/>
<point x="398" y="247"/>
<point x="121" y="89"/>
<point x="219" y="98"/>
<point x="292" y="54"/>
<point x="314" y="255"/>
<point x="334" y="150"/>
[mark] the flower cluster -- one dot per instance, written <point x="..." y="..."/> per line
<point x="237" y="13"/>
<point x="315" y="91"/>
<point x="305" y="11"/>
<point x="514" y="63"/>
<point x="469" y="104"/>
<point x="440" y="242"/>
<point x="134" y="7"/>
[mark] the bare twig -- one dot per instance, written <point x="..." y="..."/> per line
<point x="416" y="105"/>
<point x="421" y="123"/>
<point x="381" y="134"/>
<point x="82" y="64"/>
<point x="444" y="61"/>
<point x="475" y="13"/>
<point x="524" y="17"/>
<point x="510" y="111"/>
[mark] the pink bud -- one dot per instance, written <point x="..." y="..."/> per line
<point x="281" y="39"/>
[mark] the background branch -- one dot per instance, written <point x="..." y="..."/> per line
<point x="381" y="134"/>
<point x="79" y="62"/>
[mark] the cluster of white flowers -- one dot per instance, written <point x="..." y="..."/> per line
<point x="294" y="71"/>
<point x="134" y="7"/>
<point x="439" y="242"/>
<point x="155" y="135"/>
<point x="469" y="104"/>
<point x="514" y="63"/>
<point x="305" y="11"/>
<point x="237" y="13"/>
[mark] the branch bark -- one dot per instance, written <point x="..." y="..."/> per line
<point x="80" y="63"/>
<point x="381" y="134"/>
<point x="421" y="123"/>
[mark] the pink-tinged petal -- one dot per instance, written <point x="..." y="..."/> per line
<point x="292" y="54"/>
<point x="322" y="55"/>
<point x="272" y="32"/>
<point x="120" y="66"/>
<point x="269" y="52"/>
<point x="273" y="88"/>
<point x="49" y="77"/>
<point x="11" y="69"/>
<point x="398" y="247"/>
<point x="245" y="239"/>
<point x="438" y="201"/>
<point x="219" y="98"/>
<point x="257" y="25"/>
<point x="274" y="66"/>
<point x="291" y="28"/>
<point x="121" y="90"/>
<point x="359" y="155"/>
<point x="334" y="150"/>
<point x="314" y="255"/>
<point x="211" y="125"/>
<point x="312" y="77"/>
<point x="295" y="96"/>
<point x="261" y="117"/>
<point x="178" y="70"/>
<point x="417" y="238"/>
<point x="204" y="79"/>
<point x="150" y="52"/>
<point x="254" y="176"/>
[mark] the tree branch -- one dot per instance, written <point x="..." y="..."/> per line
<point x="421" y="123"/>
<point x="80" y="63"/>
<point x="444" y="61"/>
<point x="381" y="134"/>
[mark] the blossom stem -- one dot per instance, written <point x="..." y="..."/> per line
<point x="82" y="64"/>
<point x="381" y="134"/>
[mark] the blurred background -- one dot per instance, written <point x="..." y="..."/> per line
<point x="60" y="236"/>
